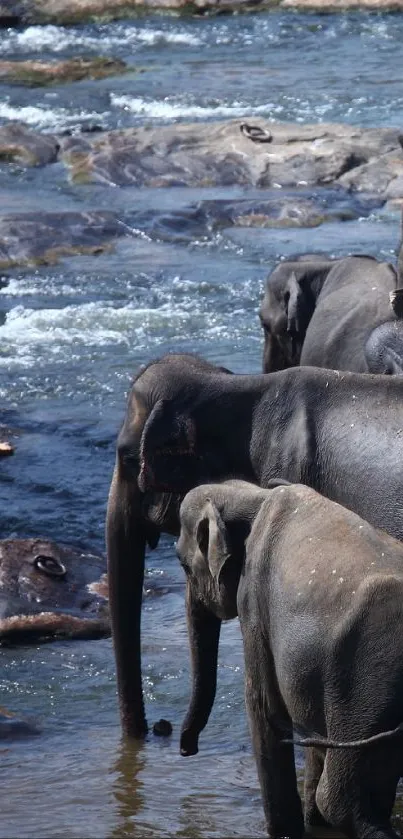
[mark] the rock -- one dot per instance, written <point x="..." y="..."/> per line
<point x="36" y="73"/>
<point x="162" y="728"/>
<point x="342" y="5"/>
<point x="6" y="449"/>
<point x="22" y="145"/>
<point x="287" y="210"/>
<point x="15" y="728"/>
<point x="11" y="12"/>
<point x="42" y="238"/>
<point x="218" y="154"/>
<point x="50" y="591"/>
<point x="15" y="12"/>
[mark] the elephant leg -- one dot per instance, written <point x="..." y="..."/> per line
<point x="356" y="792"/>
<point x="274" y="760"/>
<point x="314" y="759"/>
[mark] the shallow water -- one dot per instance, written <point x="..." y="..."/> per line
<point x="71" y="338"/>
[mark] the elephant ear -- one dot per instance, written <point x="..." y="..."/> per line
<point x="211" y="535"/>
<point x="294" y="305"/>
<point x="168" y="439"/>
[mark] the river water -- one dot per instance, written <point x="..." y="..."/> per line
<point x="71" y="338"/>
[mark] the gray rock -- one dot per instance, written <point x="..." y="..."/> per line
<point x="37" y="238"/>
<point x="30" y="148"/>
<point x="219" y="154"/>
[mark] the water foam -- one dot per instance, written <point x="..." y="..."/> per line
<point x="173" y="108"/>
<point x="47" y="118"/>
<point x="57" y="39"/>
<point x="91" y="324"/>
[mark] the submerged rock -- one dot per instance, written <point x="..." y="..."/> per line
<point x="50" y="591"/>
<point x="15" y="728"/>
<point x="36" y="73"/>
<point x="41" y="238"/>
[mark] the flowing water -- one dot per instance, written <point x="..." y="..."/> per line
<point x="71" y="338"/>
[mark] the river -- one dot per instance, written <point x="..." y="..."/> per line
<point x="71" y="337"/>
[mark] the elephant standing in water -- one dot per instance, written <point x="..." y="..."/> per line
<point x="342" y="314"/>
<point x="189" y="422"/>
<point x="319" y="594"/>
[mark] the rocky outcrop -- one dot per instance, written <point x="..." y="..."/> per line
<point x="41" y="73"/>
<point x="220" y="154"/>
<point x="347" y="168"/>
<point x="14" y="12"/>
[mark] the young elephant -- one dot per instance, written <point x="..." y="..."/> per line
<point x="319" y="594"/>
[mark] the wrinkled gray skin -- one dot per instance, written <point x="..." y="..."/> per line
<point x="324" y="312"/>
<point x="319" y="594"/>
<point x="50" y="591"/>
<point x="188" y="423"/>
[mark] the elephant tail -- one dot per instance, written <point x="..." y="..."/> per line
<point x="314" y="739"/>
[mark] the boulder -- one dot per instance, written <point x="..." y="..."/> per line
<point x="41" y="73"/>
<point x="20" y="144"/>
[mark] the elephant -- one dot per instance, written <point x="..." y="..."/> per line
<point x="323" y="312"/>
<point x="319" y="595"/>
<point x="189" y="422"/>
<point x="50" y="591"/>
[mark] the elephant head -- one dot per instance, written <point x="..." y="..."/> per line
<point x="215" y="522"/>
<point x="153" y="432"/>
<point x="287" y="307"/>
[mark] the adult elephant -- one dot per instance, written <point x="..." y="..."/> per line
<point x="340" y="314"/>
<point x="189" y="422"/>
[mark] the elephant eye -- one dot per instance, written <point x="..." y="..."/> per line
<point x="49" y="565"/>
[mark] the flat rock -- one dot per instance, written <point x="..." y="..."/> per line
<point x="219" y="154"/>
<point x="42" y="238"/>
<point x="20" y="144"/>
<point x="40" y="73"/>
<point x="14" y="12"/>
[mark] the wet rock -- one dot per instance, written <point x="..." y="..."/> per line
<point x="6" y="448"/>
<point x="341" y="5"/>
<point x="37" y="73"/>
<point x="162" y="728"/>
<point x="50" y="591"/>
<point x="219" y="154"/>
<point x="290" y="210"/>
<point x="13" y="12"/>
<point x="42" y="238"/>
<point x="30" y="148"/>
<point x="78" y="11"/>
<point x="15" y="728"/>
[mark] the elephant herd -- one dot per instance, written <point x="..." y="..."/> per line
<point x="284" y="491"/>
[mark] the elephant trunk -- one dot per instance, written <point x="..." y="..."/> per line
<point x="204" y="635"/>
<point x="126" y="543"/>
